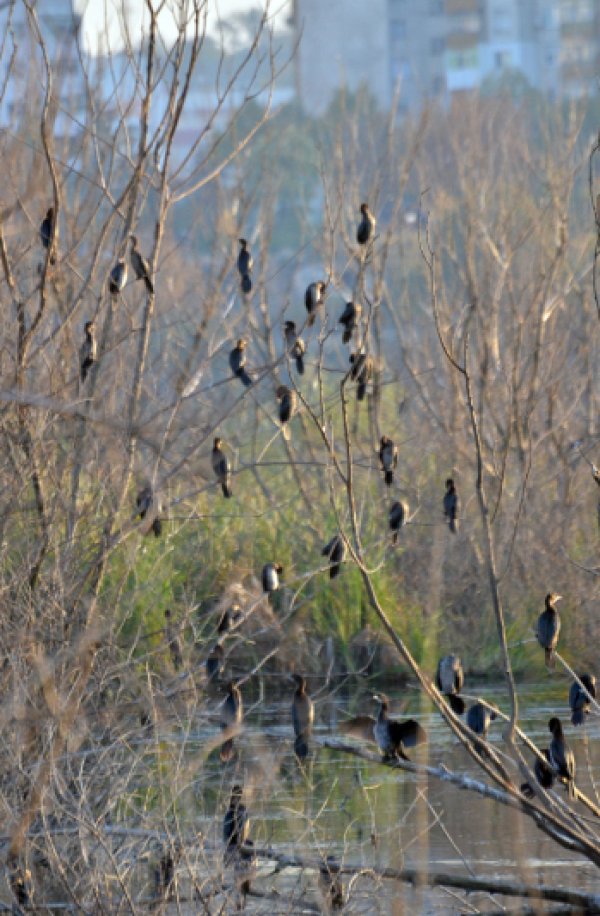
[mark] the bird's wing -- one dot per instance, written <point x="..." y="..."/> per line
<point x="412" y="734"/>
<point x="359" y="727"/>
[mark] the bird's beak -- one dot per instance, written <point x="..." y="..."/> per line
<point x="558" y="597"/>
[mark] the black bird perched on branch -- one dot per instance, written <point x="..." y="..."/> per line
<point x="174" y="641"/>
<point x="303" y="714"/>
<point x="48" y="232"/>
<point x="144" y="503"/>
<point x="336" y="551"/>
<point x="449" y="679"/>
<point x="479" y="718"/>
<point x="543" y="773"/>
<point x="237" y="362"/>
<point x="350" y="318"/>
<point x="397" y="517"/>
<point x="560" y="755"/>
<point x="236" y="825"/>
<point x="366" y="226"/>
<point x="313" y="298"/>
<point x="118" y="277"/>
<point x="287" y="407"/>
<point x="331" y="884"/>
<point x="392" y="736"/>
<point x="87" y="351"/>
<point x="229" y="618"/>
<point x="270" y="577"/>
<point x="578" y="700"/>
<point x="388" y="456"/>
<point x="295" y="345"/>
<point x="548" y="628"/>
<point x="361" y="372"/>
<point x="245" y="263"/>
<point x="451" y="505"/>
<point x="140" y="265"/>
<point x="221" y="467"/>
<point x="233" y="713"/>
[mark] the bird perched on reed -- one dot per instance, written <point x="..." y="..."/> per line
<point x="230" y="618"/>
<point x="237" y="362"/>
<point x="287" y="407"/>
<point x="393" y="736"/>
<point x="49" y="233"/>
<point x="579" y="701"/>
<point x="173" y="641"/>
<point x="313" y="298"/>
<point x="303" y="715"/>
<point x="294" y="345"/>
<point x="449" y="679"/>
<point x="350" y="318"/>
<point x="560" y="755"/>
<point x="87" y="351"/>
<point x="397" y="517"/>
<point x="140" y="265"/>
<point x="543" y="773"/>
<point x="145" y="504"/>
<point x="479" y="718"/>
<point x="361" y="372"/>
<point x="548" y="628"/>
<point x="270" y="577"/>
<point x="335" y="549"/>
<point x="388" y="456"/>
<point x="222" y="467"/>
<point x="245" y="263"/>
<point x="366" y="226"/>
<point x="233" y="713"/>
<point x="118" y="277"/>
<point x="451" y="505"/>
<point x="236" y="825"/>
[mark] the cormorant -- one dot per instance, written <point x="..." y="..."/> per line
<point x="449" y="679"/>
<point x="361" y="372"/>
<point x="144" y="502"/>
<point x="548" y="628"/>
<point x="397" y="517"/>
<point x="233" y="713"/>
<point x="543" y="773"/>
<point x="47" y="232"/>
<point x="336" y="551"/>
<point x="287" y="406"/>
<point x="174" y="641"/>
<point x="578" y="700"/>
<point x="237" y="362"/>
<point x="87" y="351"/>
<point x="451" y="505"/>
<point x="350" y="318"/>
<point x="295" y="345"/>
<point x="230" y="616"/>
<point x="19" y="879"/>
<point x="331" y="884"/>
<point x="560" y="755"/>
<point x="303" y="714"/>
<point x="479" y="718"/>
<point x="366" y="227"/>
<point x="236" y="825"/>
<point x="221" y="467"/>
<point x="118" y="277"/>
<point x="270" y="577"/>
<point x="388" y="456"/>
<point x="214" y="662"/>
<point x="245" y="264"/>
<point x="313" y="298"/>
<point x="140" y="265"/>
<point x="392" y="736"/>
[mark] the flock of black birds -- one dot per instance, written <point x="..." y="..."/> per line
<point x="393" y="737"/>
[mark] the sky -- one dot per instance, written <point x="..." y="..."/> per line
<point x="103" y="17"/>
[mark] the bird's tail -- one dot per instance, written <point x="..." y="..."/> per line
<point x="246" y="284"/>
<point x="227" y="493"/>
<point x="389" y="478"/>
<point x="227" y="750"/>
<point x="300" y="364"/>
<point x="244" y="377"/>
<point x="361" y="391"/>
<point x="149" y="284"/>
<point x="301" y="747"/>
<point x="347" y="335"/>
<point x="285" y="432"/>
<point x="395" y="538"/>
<point x="311" y="319"/>
<point x="578" y="717"/>
<point x="453" y="525"/>
<point x="457" y="704"/>
<point x="550" y="658"/>
<point x="156" y="528"/>
<point x="334" y="571"/>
